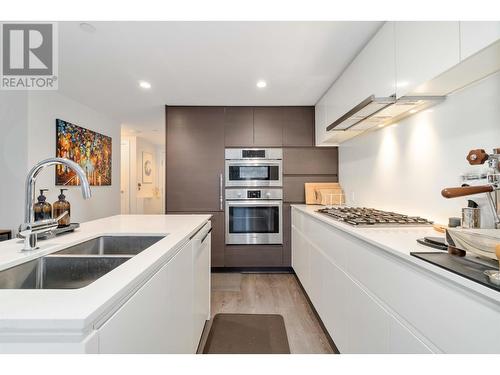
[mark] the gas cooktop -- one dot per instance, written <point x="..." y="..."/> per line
<point x="361" y="216"/>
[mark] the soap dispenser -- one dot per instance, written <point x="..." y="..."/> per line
<point x="61" y="206"/>
<point x="42" y="209"/>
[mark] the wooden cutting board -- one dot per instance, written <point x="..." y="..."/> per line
<point x="312" y="189"/>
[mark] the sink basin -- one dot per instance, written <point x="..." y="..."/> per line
<point x="76" y="266"/>
<point x="113" y="245"/>
<point x="59" y="272"/>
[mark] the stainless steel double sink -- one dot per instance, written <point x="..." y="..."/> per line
<point x="76" y="266"/>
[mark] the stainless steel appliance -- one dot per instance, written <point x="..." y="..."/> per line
<point x="492" y="187"/>
<point x="374" y="111"/>
<point x="361" y="216"/>
<point x="254" y="167"/>
<point x="254" y="216"/>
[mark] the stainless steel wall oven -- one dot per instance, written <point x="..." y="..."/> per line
<point x="254" y="216"/>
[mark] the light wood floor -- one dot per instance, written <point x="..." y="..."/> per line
<point x="270" y="294"/>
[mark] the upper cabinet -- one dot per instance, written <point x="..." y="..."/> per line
<point x="371" y="73"/>
<point x="269" y="126"/>
<point x="421" y="58"/>
<point x="238" y="126"/>
<point x="476" y="35"/>
<point x="423" y="51"/>
<point x="298" y="126"/>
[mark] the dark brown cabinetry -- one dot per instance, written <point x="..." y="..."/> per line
<point x="238" y="127"/>
<point x="195" y="158"/>
<point x="254" y="256"/>
<point x="298" y="126"/>
<point x="195" y="164"/>
<point x="196" y="139"/>
<point x="310" y="161"/>
<point x="268" y="126"/>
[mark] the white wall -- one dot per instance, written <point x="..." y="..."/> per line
<point x="405" y="167"/>
<point x="13" y="157"/>
<point x="43" y="109"/>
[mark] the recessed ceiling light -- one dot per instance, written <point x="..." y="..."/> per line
<point x="261" y="84"/>
<point x="144" y="84"/>
<point x="87" y="27"/>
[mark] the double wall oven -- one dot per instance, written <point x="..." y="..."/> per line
<point x="254" y="196"/>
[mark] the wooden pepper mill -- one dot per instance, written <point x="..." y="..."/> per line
<point x="497" y="252"/>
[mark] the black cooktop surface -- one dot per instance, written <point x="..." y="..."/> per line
<point x="362" y="216"/>
<point x="471" y="268"/>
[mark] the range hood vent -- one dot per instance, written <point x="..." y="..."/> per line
<point x="373" y="112"/>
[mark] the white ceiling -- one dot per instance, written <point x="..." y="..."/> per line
<point x="202" y="63"/>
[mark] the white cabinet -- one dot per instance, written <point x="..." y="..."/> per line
<point x="423" y="51"/>
<point x="316" y="260"/>
<point x="168" y="313"/>
<point x="372" y="72"/>
<point x="201" y="279"/>
<point x="335" y="305"/>
<point x="476" y="35"/>
<point x="402" y="341"/>
<point x="320" y="118"/>
<point x="157" y="318"/>
<point x="368" y="323"/>
<point x="371" y="301"/>
<point x="300" y="258"/>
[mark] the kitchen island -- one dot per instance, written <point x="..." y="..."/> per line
<point x="155" y="302"/>
<point x="374" y="297"/>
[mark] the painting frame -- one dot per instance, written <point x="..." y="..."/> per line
<point x="147" y="167"/>
<point x="90" y="149"/>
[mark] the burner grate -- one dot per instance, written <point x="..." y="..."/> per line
<point x="362" y="216"/>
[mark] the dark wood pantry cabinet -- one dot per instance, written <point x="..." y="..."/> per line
<point x="196" y="141"/>
<point x="195" y="166"/>
<point x="195" y="158"/>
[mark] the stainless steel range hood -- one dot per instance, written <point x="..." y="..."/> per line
<point x="373" y="112"/>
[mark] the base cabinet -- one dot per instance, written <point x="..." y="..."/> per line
<point x="167" y="314"/>
<point x="201" y="284"/>
<point x="156" y="318"/>
<point x="371" y="301"/>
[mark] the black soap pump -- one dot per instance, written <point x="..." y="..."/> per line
<point x="61" y="206"/>
<point x="42" y="209"/>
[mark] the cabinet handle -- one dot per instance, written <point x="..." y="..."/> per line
<point x="206" y="235"/>
<point x="221" y="198"/>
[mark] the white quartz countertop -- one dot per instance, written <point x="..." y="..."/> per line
<point x="401" y="241"/>
<point x="77" y="310"/>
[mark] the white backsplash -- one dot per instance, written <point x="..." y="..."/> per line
<point x="404" y="167"/>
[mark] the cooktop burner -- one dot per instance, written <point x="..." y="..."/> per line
<point x="362" y="216"/>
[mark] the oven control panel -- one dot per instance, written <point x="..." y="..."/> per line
<point x="253" y="154"/>
<point x="253" y="194"/>
<point x="242" y="194"/>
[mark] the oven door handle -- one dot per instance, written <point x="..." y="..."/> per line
<point x="221" y="192"/>
<point x="251" y="203"/>
<point x="244" y="163"/>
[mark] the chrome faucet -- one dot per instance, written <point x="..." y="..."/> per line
<point x="30" y="229"/>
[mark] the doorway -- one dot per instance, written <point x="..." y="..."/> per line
<point x="142" y="181"/>
<point x="125" y="177"/>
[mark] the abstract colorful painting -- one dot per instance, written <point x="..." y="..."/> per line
<point x="91" y="150"/>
